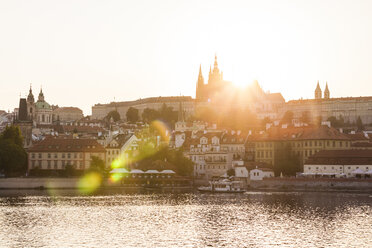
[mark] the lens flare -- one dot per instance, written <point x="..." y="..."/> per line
<point x="89" y="183"/>
<point x="116" y="177"/>
<point x="163" y="130"/>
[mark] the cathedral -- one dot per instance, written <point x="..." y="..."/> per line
<point x="215" y="83"/>
<point x="39" y="112"/>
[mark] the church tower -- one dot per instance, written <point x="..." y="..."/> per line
<point x="30" y="104"/>
<point x="41" y="96"/>
<point x="326" y="92"/>
<point x="200" y="85"/>
<point x="215" y="76"/>
<point x="318" y="92"/>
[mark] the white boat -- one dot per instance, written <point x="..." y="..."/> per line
<point x="223" y="186"/>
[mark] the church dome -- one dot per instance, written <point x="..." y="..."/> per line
<point x="42" y="105"/>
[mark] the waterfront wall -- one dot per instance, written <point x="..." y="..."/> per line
<point x="31" y="183"/>
<point x="312" y="183"/>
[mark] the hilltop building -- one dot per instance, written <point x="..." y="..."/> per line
<point x="321" y="108"/>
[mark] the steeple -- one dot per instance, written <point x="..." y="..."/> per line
<point x="30" y="97"/>
<point x="215" y="62"/>
<point x="41" y="96"/>
<point x="326" y="92"/>
<point x="200" y="85"/>
<point x="318" y="92"/>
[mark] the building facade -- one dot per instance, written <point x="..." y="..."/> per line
<point x="56" y="153"/>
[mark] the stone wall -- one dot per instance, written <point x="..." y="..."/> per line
<point x="311" y="183"/>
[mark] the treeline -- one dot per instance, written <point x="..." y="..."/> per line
<point x="13" y="157"/>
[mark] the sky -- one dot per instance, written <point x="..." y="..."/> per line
<point x="87" y="52"/>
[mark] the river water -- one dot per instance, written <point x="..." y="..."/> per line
<point x="254" y="219"/>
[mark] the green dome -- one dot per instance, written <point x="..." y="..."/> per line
<point x="42" y="105"/>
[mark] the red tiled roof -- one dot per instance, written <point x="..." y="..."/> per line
<point x="51" y="144"/>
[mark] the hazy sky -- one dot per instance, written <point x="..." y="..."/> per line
<point x="87" y="52"/>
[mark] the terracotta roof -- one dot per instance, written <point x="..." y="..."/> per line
<point x="322" y="133"/>
<point x="69" y="109"/>
<point x="341" y="157"/>
<point x="51" y="144"/>
<point x="229" y="138"/>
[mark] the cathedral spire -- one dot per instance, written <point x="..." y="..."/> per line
<point x="318" y="92"/>
<point x="215" y="62"/>
<point x="200" y="84"/>
<point x="326" y="92"/>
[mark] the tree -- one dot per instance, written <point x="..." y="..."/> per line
<point x="287" y="117"/>
<point x="336" y="122"/>
<point x="13" y="157"/>
<point x="230" y="172"/>
<point x="97" y="164"/>
<point x="13" y="134"/>
<point x="287" y="162"/>
<point x="149" y="115"/>
<point x="132" y="115"/>
<point x="359" y="124"/>
<point x="114" y="115"/>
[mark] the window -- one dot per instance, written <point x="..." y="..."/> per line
<point x="39" y="155"/>
<point x="63" y="155"/>
<point x="55" y="155"/>
<point x="49" y="155"/>
<point x="32" y="155"/>
<point x="48" y="164"/>
<point x="334" y="143"/>
<point x="68" y="155"/>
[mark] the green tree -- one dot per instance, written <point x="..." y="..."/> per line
<point x="132" y="115"/>
<point x="13" y="157"/>
<point x="114" y="115"/>
<point x="149" y="115"/>
<point x="359" y="124"/>
<point x="13" y="134"/>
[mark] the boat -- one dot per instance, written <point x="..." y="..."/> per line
<point x="222" y="186"/>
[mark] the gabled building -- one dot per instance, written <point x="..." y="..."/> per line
<point x="120" y="146"/>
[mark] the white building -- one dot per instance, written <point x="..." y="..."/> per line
<point x="261" y="173"/>
<point x="339" y="162"/>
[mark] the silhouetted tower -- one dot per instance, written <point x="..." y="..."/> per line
<point x="327" y="95"/>
<point x="200" y="85"/>
<point x="41" y="96"/>
<point x="318" y="92"/>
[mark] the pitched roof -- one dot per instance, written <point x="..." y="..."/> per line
<point x="52" y="144"/>
<point x="341" y="157"/>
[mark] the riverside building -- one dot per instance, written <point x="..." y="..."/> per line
<point x="56" y="153"/>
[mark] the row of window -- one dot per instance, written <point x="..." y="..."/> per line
<point x="203" y="167"/>
<point x="264" y="154"/>
<point x="55" y="164"/>
<point x="349" y="168"/>
<point x="55" y="155"/>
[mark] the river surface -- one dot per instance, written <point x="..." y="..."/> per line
<point x="255" y="219"/>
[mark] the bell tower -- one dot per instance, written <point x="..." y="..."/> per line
<point x="318" y="92"/>
<point x="327" y="94"/>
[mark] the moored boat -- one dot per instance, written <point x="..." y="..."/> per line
<point x="222" y="186"/>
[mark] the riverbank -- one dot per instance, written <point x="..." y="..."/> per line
<point x="273" y="184"/>
<point x="311" y="184"/>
